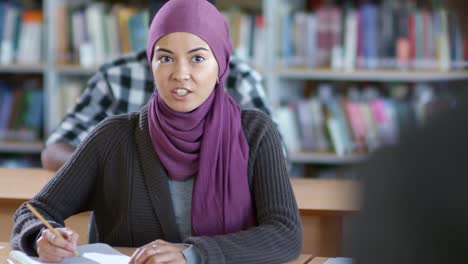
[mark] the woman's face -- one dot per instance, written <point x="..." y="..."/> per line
<point x="184" y="69"/>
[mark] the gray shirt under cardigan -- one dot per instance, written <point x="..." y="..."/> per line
<point x="116" y="173"/>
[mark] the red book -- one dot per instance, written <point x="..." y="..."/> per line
<point x="412" y="36"/>
<point x="465" y="47"/>
<point x="426" y="25"/>
<point x="314" y="4"/>
<point x="403" y="51"/>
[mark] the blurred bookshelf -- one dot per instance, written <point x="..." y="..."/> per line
<point x="22" y="72"/>
<point x="299" y="58"/>
<point x="347" y="77"/>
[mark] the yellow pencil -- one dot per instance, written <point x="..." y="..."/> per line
<point x="42" y="219"/>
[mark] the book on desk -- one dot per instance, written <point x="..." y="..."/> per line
<point x="87" y="254"/>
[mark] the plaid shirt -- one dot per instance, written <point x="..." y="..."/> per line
<point x="126" y="84"/>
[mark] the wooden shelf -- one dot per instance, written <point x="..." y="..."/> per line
<point x="75" y="69"/>
<point x="21" y="147"/>
<point x="18" y="68"/>
<point x="325" y="158"/>
<point x="370" y="75"/>
<point x="245" y="4"/>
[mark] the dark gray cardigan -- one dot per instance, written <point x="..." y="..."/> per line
<point x="116" y="173"/>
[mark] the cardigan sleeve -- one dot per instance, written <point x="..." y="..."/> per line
<point x="278" y="236"/>
<point x="69" y="192"/>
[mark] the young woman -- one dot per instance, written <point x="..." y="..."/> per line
<point x="190" y="178"/>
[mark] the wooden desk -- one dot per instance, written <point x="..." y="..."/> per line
<point x="20" y="185"/>
<point x="322" y="205"/>
<point x="302" y="259"/>
<point x="5" y="250"/>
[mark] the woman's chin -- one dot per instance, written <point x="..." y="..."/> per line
<point x="183" y="108"/>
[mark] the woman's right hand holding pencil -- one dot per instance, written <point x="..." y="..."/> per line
<point x="53" y="248"/>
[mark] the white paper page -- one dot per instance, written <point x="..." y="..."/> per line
<point x="339" y="261"/>
<point x="88" y="254"/>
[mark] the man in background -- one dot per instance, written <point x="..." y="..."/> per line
<point x="125" y="85"/>
<point x="415" y="195"/>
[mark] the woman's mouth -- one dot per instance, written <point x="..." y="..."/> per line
<point x="181" y="91"/>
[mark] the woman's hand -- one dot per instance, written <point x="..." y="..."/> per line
<point x="159" y="251"/>
<point x="52" y="248"/>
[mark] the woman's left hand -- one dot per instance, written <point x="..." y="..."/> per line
<point x="159" y="251"/>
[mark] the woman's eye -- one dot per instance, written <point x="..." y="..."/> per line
<point x="165" y="59"/>
<point x="198" y="59"/>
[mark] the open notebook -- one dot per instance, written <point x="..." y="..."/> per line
<point x="88" y="254"/>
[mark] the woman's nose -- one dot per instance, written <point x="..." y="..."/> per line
<point x="181" y="72"/>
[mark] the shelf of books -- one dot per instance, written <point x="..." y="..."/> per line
<point x="415" y="39"/>
<point x="93" y="32"/>
<point x="22" y="70"/>
<point x="120" y="29"/>
<point x="348" y="120"/>
<point x="21" y="113"/>
<point x="359" y="73"/>
<point x="21" y="38"/>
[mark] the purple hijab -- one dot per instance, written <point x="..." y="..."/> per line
<point x="209" y="142"/>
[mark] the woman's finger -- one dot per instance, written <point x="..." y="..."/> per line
<point x="161" y="242"/>
<point x="138" y="255"/>
<point x="135" y="255"/>
<point x="145" y="254"/>
<point x="49" y="252"/>
<point x="58" y="241"/>
<point x="59" y="252"/>
<point x="166" y="257"/>
<point x="71" y="236"/>
<point x="46" y="250"/>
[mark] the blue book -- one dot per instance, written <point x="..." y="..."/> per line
<point x="16" y="30"/>
<point x="369" y="14"/>
<point x="6" y="106"/>
<point x="34" y="110"/>
<point x="138" y="29"/>
<point x="287" y="39"/>
<point x="2" y="18"/>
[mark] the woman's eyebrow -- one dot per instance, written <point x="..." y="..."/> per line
<point x="164" y="50"/>
<point x="197" y="49"/>
<point x="190" y="51"/>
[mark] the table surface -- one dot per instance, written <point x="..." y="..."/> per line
<point x="5" y="250"/>
<point x="314" y="196"/>
<point x="326" y="196"/>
